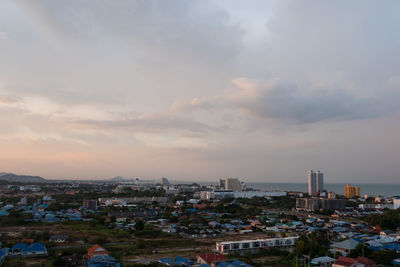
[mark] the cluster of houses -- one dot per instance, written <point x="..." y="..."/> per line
<point x="28" y="248"/>
<point x="98" y="256"/>
<point x="204" y="260"/>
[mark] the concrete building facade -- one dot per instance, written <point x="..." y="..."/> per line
<point x="351" y="191"/>
<point x="228" y="247"/>
<point x="315" y="203"/>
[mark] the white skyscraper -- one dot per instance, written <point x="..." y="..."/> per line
<point x="312" y="183"/>
<point x="315" y="182"/>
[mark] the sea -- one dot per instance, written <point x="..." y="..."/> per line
<point x="386" y="190"/>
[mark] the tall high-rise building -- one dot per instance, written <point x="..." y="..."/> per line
<point x="320" y="181"/>
<point x="222" y="183"/>
<point x="315" y="182"/>
<point x="231" y="184"/>
<point x="351" y="191"/>
<point x="312" y="183"/>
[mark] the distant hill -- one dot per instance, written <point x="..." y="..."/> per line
<point x="10" y="177"/>
<point x="3" y="173"/>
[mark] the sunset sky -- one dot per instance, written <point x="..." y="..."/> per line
<point x="198" y="90"/>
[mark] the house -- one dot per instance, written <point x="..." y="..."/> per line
<point x="210" y="258"/>
<point x="233" y="263"/>
<point x="17" y="248"/>
<point x="366" y="261"/>
<point x="386" y="232"/>
<point x="178" y="261"/>
<point x="396" y="261"/>
<point x="102" y="261"/>
<point x="36" y="249"/>
<point x="345" y="246"/>
<point x="59" y="238"/>
<point x="4" y="213"/>
<point x="346" y="262"/>
<point x="28" y="241"/>
<point x="95" y="251"/>
<point x="322" y="261"/>
<point x="3" y="254"/>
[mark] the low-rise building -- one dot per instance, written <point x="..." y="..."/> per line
<point x="243" y="245"/>
<point x="315" y="203"/>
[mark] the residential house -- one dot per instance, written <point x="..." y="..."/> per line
<point x="366" y="261"/>
<point x="178" y="261"/>
<point x="233" y="263"/>
<point x="17" y="248"/>
<point x="3" y="254"/>
<point x="211" y="258"/>
<point x="344" y="247"/>
<point x="102" y="261"/>
<point x="95" y="251"/>
<point x="386" y="232"/>
<point x="36" y="249"/>
<point x="59" y="238"/>
<point x="346" y="262"/>
<point x="324" y="261"/>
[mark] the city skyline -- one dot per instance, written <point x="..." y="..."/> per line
<point x="200" y="89"/>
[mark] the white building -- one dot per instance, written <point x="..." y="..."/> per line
<point x="220" y="194"/>
<point x="396" y="203"/>
<point x="237" y="246"/>
<point x="315" y="182"/>
<point x="232" y="184"/>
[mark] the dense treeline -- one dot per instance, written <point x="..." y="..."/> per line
<point x="388" y="220"/>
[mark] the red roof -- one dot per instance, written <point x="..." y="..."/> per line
<point x="96" y="250"/>
<point x="365" y="261"/>
<point x="213" y="257"/>
<point x="345" y="261"/>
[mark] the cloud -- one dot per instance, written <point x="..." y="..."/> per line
<point x="288" y="102"/>
<point x="305" y="103"/>
<point x="160" y="123"/>
<point x="9" y="99"/>
<point x="187" y="27"/>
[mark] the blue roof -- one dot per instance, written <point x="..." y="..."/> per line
<point x="51" y="218"/>
<point x="339" y="229"/>
<point x="4" y="252"/>
<point x="235" y="263"/>
<point x="391" y="246"/>
<point x="4" y="213"/>
<point x="19" y="246"/>
<point x="102" y="261"/>
<point x="192" y="210"/>
<point x="35" y="247"/>
<point x="166" y="261"/>
<point x="183" y="260"/>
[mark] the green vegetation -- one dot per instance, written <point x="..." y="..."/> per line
<point x="313" y="245"/>
<point x="388" y="220"/>
<point x="382" y="256"/>
<point x="268" y="257"/>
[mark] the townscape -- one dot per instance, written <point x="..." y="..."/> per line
<point x="260" y="133"/>
<point x="133" y="222"/>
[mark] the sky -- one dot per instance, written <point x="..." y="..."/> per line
<point x="196" y="90"/>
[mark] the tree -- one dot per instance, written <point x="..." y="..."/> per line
<point x="139" y="226"/>
<point x="384" y="256"/>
